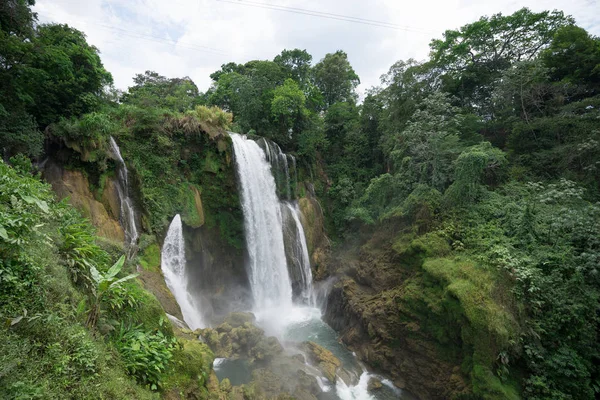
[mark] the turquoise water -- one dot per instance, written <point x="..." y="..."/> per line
<point x="238" y="371"/>
<point x="299" y="324"/>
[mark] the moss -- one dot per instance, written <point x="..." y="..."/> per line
<point x="193" y="211"/>
<point x="191" y="368"/>
<point x="490" y="387"/>
<point x="148" y="311"/>
<point x="99" y="189"/>
<point x="150" y="258"/>
<point x="474" y="288"/>
<point x="455" y="302"/>
<point x="414" y="249"/>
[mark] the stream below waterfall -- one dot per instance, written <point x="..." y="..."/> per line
<point x="299" y="324"/>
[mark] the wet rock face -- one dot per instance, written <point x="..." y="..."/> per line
<point x="75" y="186"/>
<point x="363" y="307"/>
<point x="412" y="362"/>
<point x="314" y="228"/>
<point x="217" y="273"/>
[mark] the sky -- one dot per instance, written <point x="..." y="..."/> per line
<point x="178" y="38"/>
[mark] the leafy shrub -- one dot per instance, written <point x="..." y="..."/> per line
<point x="105" y="283"/>
<point x="80" y="251"/>
<point x="146" y="354"/>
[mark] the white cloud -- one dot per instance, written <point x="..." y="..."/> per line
<point x="139" y="35"/>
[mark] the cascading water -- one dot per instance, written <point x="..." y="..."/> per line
<point x="297" y="253"/>
<point x="283" y="168"/>
<point x="173" y="267"/>
<point x="274" y="237"/>
<point x="269" y="278"/>
<point x="127" y="216"/>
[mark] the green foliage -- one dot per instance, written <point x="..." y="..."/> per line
<point x="154" y="90"/>
<point x="429" y="143"/>
<point x="574" y="57"/>
<point x="104" y="283"/>
<point x="146" y="354"/>
<point x="336" y="78"/>
<point x="296" y="64"/>
<point x="51" y="357"/>
<point x="21" y="163"/>
<point x="473" y="56"/>
<point x="476" y="167"/>
<point x="79" y="251"/>
<point x="49" y="71"/>
<point x="288" y="104"/>
<point x="150" y="257"/>
<point x="191" y="366"/>
<point x="45" y="351"/>
<point x="19" y="132"/>
<point x="68" y="74"/>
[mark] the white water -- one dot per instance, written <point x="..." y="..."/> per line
<point x="357" y="392"/>
<point x="127" y="216"/>
<point x="173" y="268"/>
<point x="279" y="161"/>
<point x="300" y="255"/>
<point x="269" y="278"/>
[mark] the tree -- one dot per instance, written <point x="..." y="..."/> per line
<point x="336" y="78"/>
<point x="288" y="108"/>
<point x="574" y="57"/>
<point x="239" y="95"/>
<point x="296" y="64"/>
<point x="340" y="120"/>
<point x="154" y="90"/>
<point x="476" y="166"/>
<point x="425" y="150"/>
<point x="18" y="129"/>
<point x="406" y="85"/>
<point x="524" y="91"/>
<point x="473" y="56"/>
<point x="16" y="17"/>
<point x="65" y="75"/>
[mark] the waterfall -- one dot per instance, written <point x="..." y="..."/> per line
<point x="127" y="216"/>
<point x="268" y="273"/>
<point x="297" y="252"/>
<point x="173" y="268"/>
<point x="283" y="167"/>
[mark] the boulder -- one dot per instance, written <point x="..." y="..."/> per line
<point x="322" y="359"/>
<point x="374" y="384"/>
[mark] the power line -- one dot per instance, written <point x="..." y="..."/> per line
<point x="320" y="14"/>
<point x="156" y="39"/>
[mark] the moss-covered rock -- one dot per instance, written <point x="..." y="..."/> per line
<point x="193" y="211"/>
<point x="147" y="311"/>
<point x="323" y="359"/>
<point x="237" y="337"/>
<point x="190" y="372"/>
<point x="435" y="324"/>
<point x="374" y="385"/>
<point x="149" y="258"/>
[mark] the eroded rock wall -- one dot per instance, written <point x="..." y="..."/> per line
<point x="74" y="185"/>
<point x="366" y="307"/>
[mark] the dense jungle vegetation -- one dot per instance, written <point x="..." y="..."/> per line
<point x="485" y="156"/>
